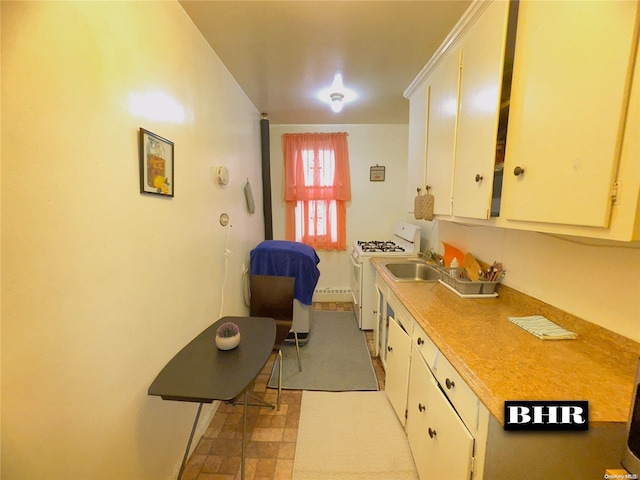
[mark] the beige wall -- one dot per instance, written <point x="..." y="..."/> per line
<point x="374" y="207"/>
<point x="101" y="285"/>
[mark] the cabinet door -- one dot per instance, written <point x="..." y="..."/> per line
<point x="441" y="445"/>
<point x="569" y="92"/>
<point x="483" y="48"/>
<point x="451" y="444"/>
<point x="416" y="168"/>
<point x="397" y="376"/>
<point x="443" y="110"/>
<point x="417" y="424"/>
<point x="380" y="328"/>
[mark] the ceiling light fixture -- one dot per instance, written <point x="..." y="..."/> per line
<point x="337" y="95"/>
<point x="336" y="101"/>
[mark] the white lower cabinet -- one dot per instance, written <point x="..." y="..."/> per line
<point x="397" y="375"/>
<point x="453" y="435"/>
<point x="441" y="444"/>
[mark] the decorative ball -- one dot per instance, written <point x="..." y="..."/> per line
<point x="227" y="336"/>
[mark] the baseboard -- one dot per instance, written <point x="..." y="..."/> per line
<point x="332" y="294"/>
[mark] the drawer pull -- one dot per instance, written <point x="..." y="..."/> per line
<point x="518" y="171"/>
<point x="432" y="433"/>
<point x="478" y="178"/>
<point x="421" y="407"/>
<point x="449" y="384"/>
<point x="420" y="341"/>
<point x="389" y="348"/>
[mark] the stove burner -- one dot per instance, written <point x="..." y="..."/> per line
<point x="380" y="246"/>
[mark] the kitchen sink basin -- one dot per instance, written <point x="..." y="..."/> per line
<point x="412" y="271"/>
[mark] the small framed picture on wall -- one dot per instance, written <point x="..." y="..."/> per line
<point x="156" y="164"/>
<point x="376" y="174"/>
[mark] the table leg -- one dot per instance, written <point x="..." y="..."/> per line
<point x="186" y="452"/>
<point x="244" y="431"/>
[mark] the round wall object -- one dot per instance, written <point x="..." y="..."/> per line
<point x="222" y="175"/>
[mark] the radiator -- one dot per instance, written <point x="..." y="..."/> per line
<point x="332" y="294"/>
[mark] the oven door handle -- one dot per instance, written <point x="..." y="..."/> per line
<point x="355" y="282"/>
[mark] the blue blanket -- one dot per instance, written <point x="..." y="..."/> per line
<point x="288" y="259"/>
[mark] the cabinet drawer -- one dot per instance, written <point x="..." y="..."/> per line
<point x="425" y="346"/>
<point x="401" y="314"/>
<point x="459" y="393"/>
<point x="383" y="287"/>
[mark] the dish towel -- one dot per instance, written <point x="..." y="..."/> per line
<point x="543" y="328"/>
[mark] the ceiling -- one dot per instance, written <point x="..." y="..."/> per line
<point x="282" y="53"/>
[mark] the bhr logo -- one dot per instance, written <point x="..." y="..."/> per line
<point x="546" y="415"/>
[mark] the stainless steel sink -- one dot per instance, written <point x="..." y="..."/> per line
<point x="412" y="271"/>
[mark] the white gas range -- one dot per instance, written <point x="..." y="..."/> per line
<point x="404" y="243"/>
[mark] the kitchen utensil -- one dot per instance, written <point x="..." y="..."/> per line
<point x="471" y="266"/>
<point x="450" y="252"/>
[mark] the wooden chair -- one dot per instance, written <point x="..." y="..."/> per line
<point x="272" y="296"/>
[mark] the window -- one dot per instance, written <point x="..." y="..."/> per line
<point x="317" y="187"/>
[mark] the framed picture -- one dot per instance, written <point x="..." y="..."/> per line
<point x="156" y="164"/>
<point x="376" y="174"/>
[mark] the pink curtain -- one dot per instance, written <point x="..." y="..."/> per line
<point x="317" y="181"/>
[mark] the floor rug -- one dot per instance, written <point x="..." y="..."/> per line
<point x="351" y="436"/>
<point x="335" y="359"/>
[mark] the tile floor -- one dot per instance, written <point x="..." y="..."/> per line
<point x="271" y="434"/>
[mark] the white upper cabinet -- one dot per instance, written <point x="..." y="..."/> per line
<point x="483" y="48"/>
<point x="416" y="168"/>
<point x="571" y="81"/>
<point x="558" y="82"/>
<point x="441" y="130"/>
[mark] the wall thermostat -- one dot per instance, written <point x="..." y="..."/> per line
<point x="222" y="175"/>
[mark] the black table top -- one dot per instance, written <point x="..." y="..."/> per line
<point x="202" y="373"/>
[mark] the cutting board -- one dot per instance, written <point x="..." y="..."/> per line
<point x="471" y="266"/>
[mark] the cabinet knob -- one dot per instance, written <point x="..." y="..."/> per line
<point x="432" y="433"/>
<point x="421" y="407"/>
<point x="389" y="348"/>
<point x="449" y="384"/>
<point x="420" y="341"/>
<point x="478" y="178"/>
<point x="518" y="171"/>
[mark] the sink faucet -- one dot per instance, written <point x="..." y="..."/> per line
<point x="432" y="256"/>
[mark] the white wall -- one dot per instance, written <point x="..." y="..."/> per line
<point x="596" y="280"/>
<point x="101" y="285"/>
<point x="374" y="207"/>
